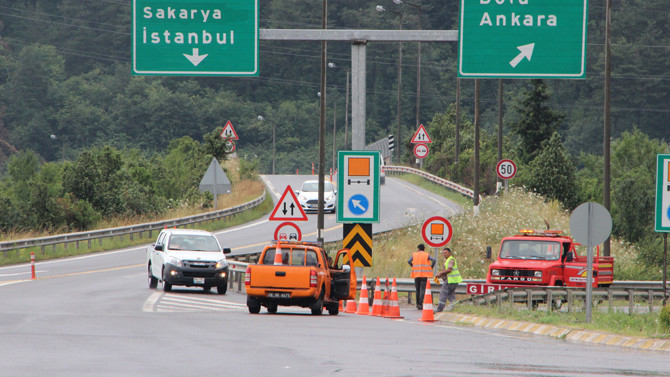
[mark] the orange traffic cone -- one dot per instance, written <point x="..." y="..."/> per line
<point x="351" y="306"/>
<point x="278" y="261"/>
<point x="387" y="297"/>
<point x="427" y="313"/>
<point x="377" y="303"/>
<point x="394" y="308"/>
<point x="363" y="305"/>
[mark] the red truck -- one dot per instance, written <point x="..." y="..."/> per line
<point x="543" y="258"/>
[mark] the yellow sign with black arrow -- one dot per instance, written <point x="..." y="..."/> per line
<point x="358" y="239"/>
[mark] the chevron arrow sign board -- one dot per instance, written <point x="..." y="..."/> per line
<point x="358" y="239"/>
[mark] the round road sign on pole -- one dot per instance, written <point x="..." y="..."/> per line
<point x="421" y="150"/>
<point x="506" y="169"/>
<point x="436" y="231"/>
<point x="590" y="224"/>
<point x="288" y="231"/>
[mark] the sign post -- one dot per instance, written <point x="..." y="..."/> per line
<point x="204" y="37"/>
<point x="358" y="187"/>
<point x="506" y="170"/>
<point x="436" y="232"/>
<point x="662" y="215"/>
<point x="523" y="39"/>
<point x="590" y="225"/>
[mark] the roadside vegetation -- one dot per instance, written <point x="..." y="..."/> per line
<point x="245" y="186"/>
<point x="505" y="215"/>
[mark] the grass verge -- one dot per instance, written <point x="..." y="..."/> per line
<point x="638" y="325"/>
<point x="104" y="244"/>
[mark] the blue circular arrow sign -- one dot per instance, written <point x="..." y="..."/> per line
<point x="358" y="204"/>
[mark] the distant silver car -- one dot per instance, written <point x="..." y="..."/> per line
<point x="308" y="196"/>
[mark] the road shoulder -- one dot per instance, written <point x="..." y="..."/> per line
<point x="569" y="334"/>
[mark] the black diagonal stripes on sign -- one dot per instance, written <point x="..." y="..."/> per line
<point x="358" y="239"/>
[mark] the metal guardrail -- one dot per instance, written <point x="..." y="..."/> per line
<point x="575" y="297"/>
<point x="649" y="291"/>
<point x="433" y="178"/>
<point x="89" y="236"/>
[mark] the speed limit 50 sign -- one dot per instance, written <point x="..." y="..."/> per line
<point x="506" y="169"/>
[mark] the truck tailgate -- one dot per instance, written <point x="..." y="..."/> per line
<point x="280" y="277"/>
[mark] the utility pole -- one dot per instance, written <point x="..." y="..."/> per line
<point x="322" y="131"/>
<point x="607" y="127"/>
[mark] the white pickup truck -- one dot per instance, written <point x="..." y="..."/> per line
<point x="187" y="257"/>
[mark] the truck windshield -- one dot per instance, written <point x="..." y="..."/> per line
<point x="530" y="249"/>
<point x="292" y="257"/>
<point x="193" y="243"/>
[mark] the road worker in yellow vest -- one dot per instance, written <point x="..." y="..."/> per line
<point x="422" y="268"/>
<point x="451" y="277"/>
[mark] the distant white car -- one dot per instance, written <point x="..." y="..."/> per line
<point x="308" y="196"/>
<point x="187" y="257"/>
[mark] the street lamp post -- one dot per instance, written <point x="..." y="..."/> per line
<point x="54" y="137"/>
<point x="380" y="8"/>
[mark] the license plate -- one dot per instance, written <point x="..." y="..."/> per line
<point x="279" y="294"/>
<point x="198" y="280"/>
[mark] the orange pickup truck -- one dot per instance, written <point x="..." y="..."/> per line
<point x="300" y="276"/>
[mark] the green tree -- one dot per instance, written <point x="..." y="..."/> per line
<point x="214" y="144"/>
<point x="552" y="173"/>
<point x="182" y="169"/>
<point x="30" y="96"/>
<point x="536" y="121"/>
<point x="633" y="168"/>
<point x="97" y="177"/>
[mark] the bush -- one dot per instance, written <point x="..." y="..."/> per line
<point x="665" y="317"/>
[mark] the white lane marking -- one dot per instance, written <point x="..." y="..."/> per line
<point x="65" y="260"/>
<point x="160" y="301"/>
<point x="150" y="303"/>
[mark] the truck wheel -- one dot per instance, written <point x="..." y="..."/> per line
<point x="317" y="306"/>
<point x="167" y="287"/>
<point x="253" y="305"/>
<point x="222" y="288"/>
<point x="153" y="282"/>
<point x="271" y="307"/>
<point x="333" y="309"/>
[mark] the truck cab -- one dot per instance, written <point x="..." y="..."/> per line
<point x="546" y="258"/>
<point x="299" y="274"/>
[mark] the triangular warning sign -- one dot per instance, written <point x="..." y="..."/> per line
<point x="288" y="207"/>
<point x="229" y="131"/>
<point x="421" y="136"/>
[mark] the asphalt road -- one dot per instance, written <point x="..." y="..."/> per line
<point x="95" y="316"/>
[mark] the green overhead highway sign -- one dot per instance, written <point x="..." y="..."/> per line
<point x="523" y="39"/>
<point x="195" y="37"/>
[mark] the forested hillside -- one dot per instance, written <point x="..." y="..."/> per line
<point x="67" y="98"/>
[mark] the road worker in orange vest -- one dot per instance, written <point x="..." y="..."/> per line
<point x="422" y="269"/>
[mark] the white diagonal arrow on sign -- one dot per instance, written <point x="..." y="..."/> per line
<point x="357" y="204"/>
<point x="526" y="52"/>
<point x="196" y="58"/>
